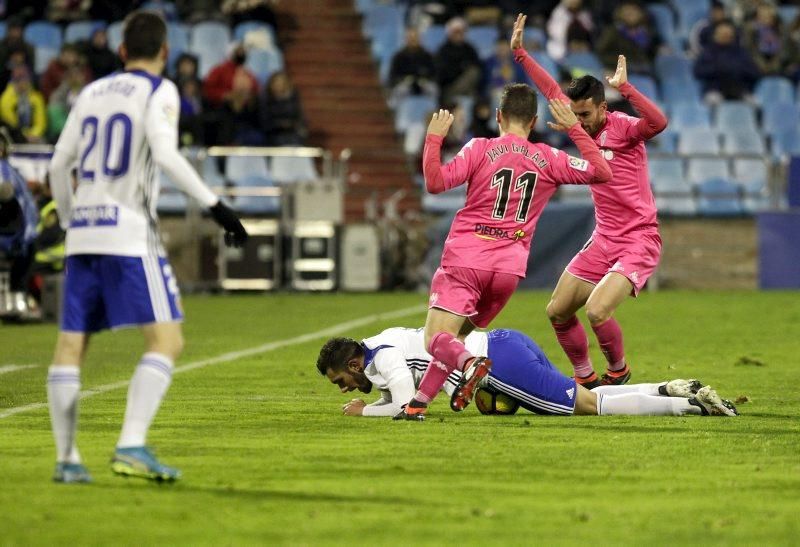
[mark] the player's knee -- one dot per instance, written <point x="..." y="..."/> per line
<point x="69" y="350"/>
<point x="585" y="402"/>
<point x="598" y="313"/>
<point x="556" y="313"/>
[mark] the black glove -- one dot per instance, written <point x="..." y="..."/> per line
<point x="235" y="234"/>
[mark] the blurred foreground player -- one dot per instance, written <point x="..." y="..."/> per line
<point x="486" y="252"/>
<point x="121" y="130"/>
<point x="395" y="360"/>
<point x="625" y="247"/>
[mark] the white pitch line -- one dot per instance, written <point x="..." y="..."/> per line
<point x="11" y="368"/>
<point x="233" y="355"/>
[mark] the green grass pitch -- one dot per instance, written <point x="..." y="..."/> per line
<point x="269" y="459"/>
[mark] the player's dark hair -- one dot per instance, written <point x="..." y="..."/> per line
<point x="518" y="103"/>
<point x="145" y="32"/>
<point x="336" y="353"/>
<point x="586" y="87"/>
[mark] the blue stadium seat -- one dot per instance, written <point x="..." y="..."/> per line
<point x="752" y="176"/>
<point x="43" y="57"/>
<point x="382" y="17"/>
<point x="735" y="116"/>
<point x="665" y="142"/>
<point x="238" y="168"/>
<point x="646" y="85"/>
<point x="535" y="39"/>
<point x="170" y="199"/>
<point x="414" y="139"/>
<point x="667" y="170"/>
<point x="671" y="67"/>
<point x="575" y="193"/>
<point x="689" y="114"/>
<point x="678" y="90"/>
<point x="178" y="37"/>
<point x="264" y="63"/>
<point x="586" y="62"/>
<point x="415" y="108"/>
<point x="433" y="37"/>
<point x="81" y="30"/>
<point x="166" y="8"/>
<point x="210" y="172"/>
<point x="483" y="39"/>
<point x="43" y="34"/>
<point x="664" y="19"/>
<point x="786" y="143"/>
<point x="700" y="169"/>
<point x="114" y="33"/>
<point x="689" y="13"/>
<point x="547" y="63"/>
<point x="774" y="89"/>
<point x="289" y="169"/>
<point x="364" y="6"/>
<point x="2" y="29"/>
<point x="743" y="142"/>
<point x="788" y="13"/>
<point x="246" y="27"/>
<point x="777" y="117"/>
<point x="718" y="197"/>
<point x="696" y="140"/>
<point x="209" y="42"/>
<point x="254" y="204"/>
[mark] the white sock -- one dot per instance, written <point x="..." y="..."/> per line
<point x="148" y="386"/>
<point x="639" y="404"/>
<point x="645" y="389"/>
<point x="63" y="386"/>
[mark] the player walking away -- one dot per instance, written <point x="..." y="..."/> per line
<point x="121" y="129"/>
<point x="395" y="360"/>
<point x="625" y="247"/>
<point x="486" y="252"/>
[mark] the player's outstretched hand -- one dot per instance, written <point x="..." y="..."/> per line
<point x="562" y="114"/>
<point x="235" y="234"/>
<point x="354" y="407"/>
<point x="440" y="123"/>
<point x="519" y="30"/>
<point x="621" y="75"/>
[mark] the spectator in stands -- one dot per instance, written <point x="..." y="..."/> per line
<point x="482" y="115"/>
<point x="64" y="11"/>
<point x="193" y="11"/>
<point x="239" y="11"/>
<point x="63" y="98"/>
<point x="500" y="69"/>
<point x="282" y="117"/>
<point x="412" y="70"/>
<point x="633" y="36"/>
<point x="190" y="123"/>
<point x="14" y="42"/>
<point x="218" y="86"/>
<point x="702" y="32"/>
<point x="17" y="58"/>
<point x="240" y="115"/>
<point x="186" y="68"/>
<point x="68" y="57"/>
<point x="765" y="40"/>
<point x="792" y="69"/>
<point x="22" y="108"/>
<point x="569" y="22"/>
<point x="101" y="60"/>
<point x="458" y="67"/>
<point x="725" y="69"/>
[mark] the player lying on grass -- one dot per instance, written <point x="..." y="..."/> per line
<point x="395" y="361"/>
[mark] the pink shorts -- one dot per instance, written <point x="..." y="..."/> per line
<point x="634" y="255"/>
<point x="477" y="294"/>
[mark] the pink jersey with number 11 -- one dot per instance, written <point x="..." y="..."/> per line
<point x="509" y="181"/>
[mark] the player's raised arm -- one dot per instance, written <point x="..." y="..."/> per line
<point x="652" y="121"/>
<point x="161" y="126"/>
<point x="597" y="170"/>
<point x="439" y="178"/>
<point x="543" y="81"/>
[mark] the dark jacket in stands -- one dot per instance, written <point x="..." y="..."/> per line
<point x="727" y="69"/>
<point x="414" y="62"/>
<point x="282" y="121"/>
<point x="453" y="59"/>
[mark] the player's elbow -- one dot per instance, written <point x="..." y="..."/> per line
<point x="434" y="183"/>
<point x="602" y="174"/>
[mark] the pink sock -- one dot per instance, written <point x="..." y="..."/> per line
<point x="572" y="338"/>
<point x="432" y="381"/>
<point x="449" y="350"/>
<point x="609" y="336"/>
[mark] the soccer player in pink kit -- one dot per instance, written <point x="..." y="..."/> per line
<point x="625" y="247"/>
<point x="486" y="252"/>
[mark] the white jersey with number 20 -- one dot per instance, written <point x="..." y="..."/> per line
<point x="120" y="131"/>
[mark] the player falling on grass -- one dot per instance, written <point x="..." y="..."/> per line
<point x="395" y="360"/>
<point x="120" y="131"/>
<point x="625" y="247"/>
<point x="486" y="252"/>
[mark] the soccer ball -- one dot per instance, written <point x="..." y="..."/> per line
<point x="490" y="401"/>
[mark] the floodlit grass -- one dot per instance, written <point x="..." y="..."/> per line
<point x="268" y="458"/>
